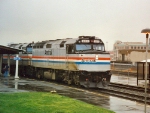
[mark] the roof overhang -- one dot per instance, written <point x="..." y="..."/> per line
<point x="8" y="50"/>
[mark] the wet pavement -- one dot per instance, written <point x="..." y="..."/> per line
<point x="128" y="80"/>
<point x="119" y="105"/>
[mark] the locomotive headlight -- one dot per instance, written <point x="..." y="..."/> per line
<point x="96" y="57"/>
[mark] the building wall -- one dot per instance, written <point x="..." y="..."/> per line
<point x="137" y="56"/>
<point x="129" y="51"/>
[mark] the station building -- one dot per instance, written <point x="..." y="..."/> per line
<point x="129" y="52"/>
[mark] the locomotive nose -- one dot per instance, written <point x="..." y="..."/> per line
<point x="97" y="83"/>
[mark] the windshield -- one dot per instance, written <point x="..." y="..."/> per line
<point x="98" y="47"/>
<point x="89" y="47"/>
<point x="83" y="47"/>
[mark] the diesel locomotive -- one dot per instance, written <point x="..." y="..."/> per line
<point x="81" y="61"/>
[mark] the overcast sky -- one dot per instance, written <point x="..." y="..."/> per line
<point x="36" y="20"/>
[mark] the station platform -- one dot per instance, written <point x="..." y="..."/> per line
<point x="128" y="80"/>
<point x="10" y="85"/>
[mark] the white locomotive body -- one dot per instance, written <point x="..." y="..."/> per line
<point x="80" y="61"/>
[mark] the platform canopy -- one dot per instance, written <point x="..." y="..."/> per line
<point x="8" y="50"/>
<point x="148" y="60"/>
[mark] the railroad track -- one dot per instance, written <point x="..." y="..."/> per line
<point x="127" y="91"/>
<point x="129" y="87"/>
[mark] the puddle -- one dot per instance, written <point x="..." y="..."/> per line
<point x="3" y="91"/>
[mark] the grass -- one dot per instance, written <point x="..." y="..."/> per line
<point x="41" y="102"/>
